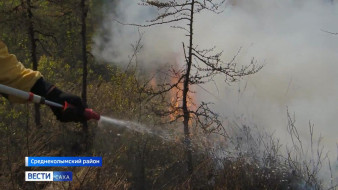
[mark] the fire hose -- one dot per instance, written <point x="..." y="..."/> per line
<point x="31" y="97"/>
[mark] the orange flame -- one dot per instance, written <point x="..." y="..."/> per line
<point x="176" y="95"/>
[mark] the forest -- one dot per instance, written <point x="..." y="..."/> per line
<point x="157" y="131"/>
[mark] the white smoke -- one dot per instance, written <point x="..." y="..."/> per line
<point x="301" y="60"/>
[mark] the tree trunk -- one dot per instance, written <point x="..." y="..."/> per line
<point x="84" y="60"/>
<point x="186" y="114"/>
<point x="33" y="56"/>
<point x="140" y="171"/>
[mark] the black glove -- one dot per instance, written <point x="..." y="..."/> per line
<point x="73" y="112"/>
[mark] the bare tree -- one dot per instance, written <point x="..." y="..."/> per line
<point x="35" y="35"/>
<point x="201" y="65"/>
<point x="84" y="11"/>
<point x="32" y="38"/>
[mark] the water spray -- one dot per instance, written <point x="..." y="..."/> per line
<point x="31" y="97"/>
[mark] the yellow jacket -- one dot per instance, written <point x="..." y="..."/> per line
<point x="14" y="74"/>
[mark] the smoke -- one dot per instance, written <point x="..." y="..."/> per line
<point x="113" y="41"/>
<point x="301" y="60"/>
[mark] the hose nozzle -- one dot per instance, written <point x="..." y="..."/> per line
<point x="90" y="114"/>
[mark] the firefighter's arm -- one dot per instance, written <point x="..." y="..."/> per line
<point x="14" y="74"/>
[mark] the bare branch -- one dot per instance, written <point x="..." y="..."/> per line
<point x="334" y="33"/>
<point x="152" y="24"/>
<point x="210" y="6"/>
<point x="208" y="120"/>
<point x="50" y="35"/>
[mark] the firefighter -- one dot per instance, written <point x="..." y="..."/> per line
<point x="14" y="74"/>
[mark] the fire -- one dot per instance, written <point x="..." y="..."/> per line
<point x="176" y="97"/>
<point x="175" y="101"/>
